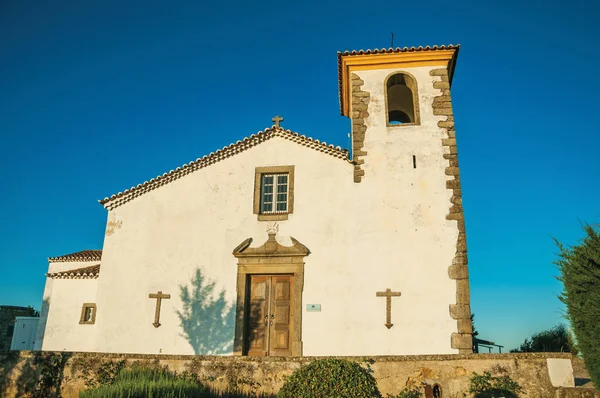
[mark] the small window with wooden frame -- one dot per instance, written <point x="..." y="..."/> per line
<point x="274" y="192"/>
<point x="88" y="314"/>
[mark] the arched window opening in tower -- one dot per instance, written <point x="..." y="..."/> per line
<point x="401" y="89"/>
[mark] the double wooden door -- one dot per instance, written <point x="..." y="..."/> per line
<point x="269" y="315"/>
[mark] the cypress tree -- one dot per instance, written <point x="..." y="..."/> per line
<point x="579" y="266"/>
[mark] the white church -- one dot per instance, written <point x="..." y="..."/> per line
<point x="281" y="245"/>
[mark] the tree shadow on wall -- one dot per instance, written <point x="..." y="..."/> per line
<point x="42" y="375"/>
<point x="207" y="322"/>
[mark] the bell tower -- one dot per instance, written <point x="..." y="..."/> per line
<point x="404" y="150"/>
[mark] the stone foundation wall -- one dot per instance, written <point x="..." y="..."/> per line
<point x="267" y="375"/>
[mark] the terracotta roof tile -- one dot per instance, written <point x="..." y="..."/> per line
<point x="90" y="272"/>
<point x="387" y="51"/>
<point x="84" y="255"/>
<point x="214" y="157"/>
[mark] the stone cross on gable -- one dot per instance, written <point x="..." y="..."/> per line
<point x="388" y="294"/>
<point x="159" y="296"/>
<point x="277" y="119"/>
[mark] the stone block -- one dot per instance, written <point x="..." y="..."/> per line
<point x="462" y="341"/>
<point x="442" y="98"/>
<point x="448" y="141"/>
<point x="463" y="292"/>
<point x="465" y="326"/>
<point x="460" y="259"/>
<point x="444" y="124"/>
<point x="438" y="72"/>
<point x="453" y="184"/>
<point x="453" y="162"/>
<point x="456" y="209"/>
<point x="441" y="85"/>
<point x="441" y="105"/>
<point x="454" y="216"/>
<point x="442" y="111"/>
<point x="461" y="243"/>
<point x="458" y="272"/>
<point x="457" y="200"/>
<point x="452" y="171"/>
<point x="460" y="311"/>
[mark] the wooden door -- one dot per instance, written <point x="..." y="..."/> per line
<point x="280" y="343"/>
<point x="269" y="315"/>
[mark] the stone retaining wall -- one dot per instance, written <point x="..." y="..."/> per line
<point x="267" y="375"/>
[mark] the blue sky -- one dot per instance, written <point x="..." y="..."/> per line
<point x="98" y="96"/>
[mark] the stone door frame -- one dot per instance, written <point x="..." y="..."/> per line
<point x="269" y="259"/>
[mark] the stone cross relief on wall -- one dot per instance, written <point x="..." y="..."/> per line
<point x="388" y="294"/>
<point x="159" y="296"/>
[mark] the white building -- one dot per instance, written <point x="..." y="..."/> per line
<point x="280" y="244"/>
<point x="24" y="333"/>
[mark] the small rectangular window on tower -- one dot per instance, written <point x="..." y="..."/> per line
<point x="274" y="192"/>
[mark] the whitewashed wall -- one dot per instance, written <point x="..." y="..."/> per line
<point x="389" y="231"/>
<point x="398" y="239"/>
<point x="62" y="329"/>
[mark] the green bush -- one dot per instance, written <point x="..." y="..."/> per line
<point x="488" y="386"/>
<point x="556" y="339"/>
<point x="408" y="392"/>
<point x="330" y="378"/>
<point x="142" y="382"/>
<point x="580" y="273"/>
